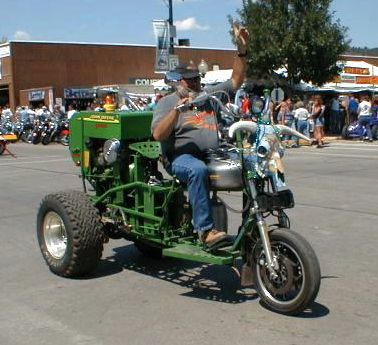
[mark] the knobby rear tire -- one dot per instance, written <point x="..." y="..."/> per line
<point x="83" y="233"/>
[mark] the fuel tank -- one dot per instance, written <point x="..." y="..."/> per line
<point x="225" y="171"/>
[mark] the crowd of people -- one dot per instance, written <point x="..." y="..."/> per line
<point x="316" y="115"/>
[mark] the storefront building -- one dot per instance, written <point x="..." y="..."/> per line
<point x="48" y="73"/>
<point x="35" y="73"/>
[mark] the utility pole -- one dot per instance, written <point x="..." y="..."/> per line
<point x="170" y="21"/>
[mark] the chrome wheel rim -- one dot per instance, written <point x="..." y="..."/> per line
<point x="55" y="235"/>
<point x="291" y="269"/>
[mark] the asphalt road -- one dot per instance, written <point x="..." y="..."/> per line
<point x="134" y="300"/>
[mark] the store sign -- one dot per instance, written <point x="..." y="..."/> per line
<point x="37" y="95"/>
<point x="347" y="79"/>
<point x="161" y="29"/>
<point x="367" y="80"/>
<point x="356" y="70"/>
<point x="142" y="81"/>
<point x="4" y="51"/>
<point x="78" y="93"/>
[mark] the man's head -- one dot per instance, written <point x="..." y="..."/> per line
<point x="190" y="75"/>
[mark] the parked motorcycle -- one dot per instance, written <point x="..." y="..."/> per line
<point x="39" y="128"/>
<point x="355" y="130"/>
<point x="57" y="131"/>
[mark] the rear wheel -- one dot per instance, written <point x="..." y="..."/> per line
<point x="297" y="280"/>
<point x="69" y="233"/>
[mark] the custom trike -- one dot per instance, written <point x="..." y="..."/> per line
<point x="129" y="197"/>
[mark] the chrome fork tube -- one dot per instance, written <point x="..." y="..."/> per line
<point x="270" y="261"/>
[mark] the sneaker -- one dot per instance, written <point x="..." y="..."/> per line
<point x="211" y="237"/>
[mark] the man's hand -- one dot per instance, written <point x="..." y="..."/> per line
<point x="241" y="37"/>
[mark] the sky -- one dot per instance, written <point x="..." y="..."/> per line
<point x="204" y="22"/>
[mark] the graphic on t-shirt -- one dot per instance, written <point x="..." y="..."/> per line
<point x="203" y="119"/>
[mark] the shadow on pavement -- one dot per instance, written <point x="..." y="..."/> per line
<point x="209" y="282"/>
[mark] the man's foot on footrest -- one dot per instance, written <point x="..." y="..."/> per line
<point x="215" y="238"/>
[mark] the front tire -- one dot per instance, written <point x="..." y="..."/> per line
<point x="46" y="140"/>
<point x="298" y="276"/>
<point x="69" y="233"/>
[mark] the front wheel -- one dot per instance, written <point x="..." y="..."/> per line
<point x="297" y="280"/>
<point x="46" y="140"/>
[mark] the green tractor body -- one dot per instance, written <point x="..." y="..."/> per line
<point x="136" y="202"/>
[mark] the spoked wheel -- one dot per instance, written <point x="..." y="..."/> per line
<point x="296" y="282"/>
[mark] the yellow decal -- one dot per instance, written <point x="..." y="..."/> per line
<point x="102" y="118"/>
<point x="86" y="159"/>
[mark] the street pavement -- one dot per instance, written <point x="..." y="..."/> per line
<point x="131" y="299"/>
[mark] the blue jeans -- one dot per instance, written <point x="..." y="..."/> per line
<point x="194" y="173"/>
<point x="302" y="127"/>
<point x="364" y="120"/>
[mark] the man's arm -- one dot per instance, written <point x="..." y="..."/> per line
<point x="240" y="65"/>
<point x="165" y="126"/>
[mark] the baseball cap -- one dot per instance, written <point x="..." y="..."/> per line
<point x="187" y="71"/>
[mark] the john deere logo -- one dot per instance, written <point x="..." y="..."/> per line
<point x="102" y="118"/>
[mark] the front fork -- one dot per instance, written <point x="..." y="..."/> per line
<point x="270" y="260"/>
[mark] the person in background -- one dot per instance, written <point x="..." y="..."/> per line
<point x="71" y="111"/>
<point x="364" y="117"/>
<point x="335" y="114"/>
<point x="301" y="116"/>
<point x="246" y="106"/>
<point x="353" y="108"/>
<point x="286" y="116"/>
<point x="318" y="117"/>
<point x="58" y="114"/>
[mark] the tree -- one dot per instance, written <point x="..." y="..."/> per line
<point x="3" y="40"/>
<point x="297" y="34"/>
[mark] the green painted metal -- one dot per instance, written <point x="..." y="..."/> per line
<point x="123" y="189"/>
<point x="195" y="252"/>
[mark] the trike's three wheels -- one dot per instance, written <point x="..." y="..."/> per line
<point x="297" y="279"/>
<point x="69" y="233"/>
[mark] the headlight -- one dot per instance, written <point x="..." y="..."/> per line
<point x="111" y="149"/>
<point x="263" y="149"/>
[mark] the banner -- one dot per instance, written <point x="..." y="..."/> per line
<point x="161" y="30"/>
